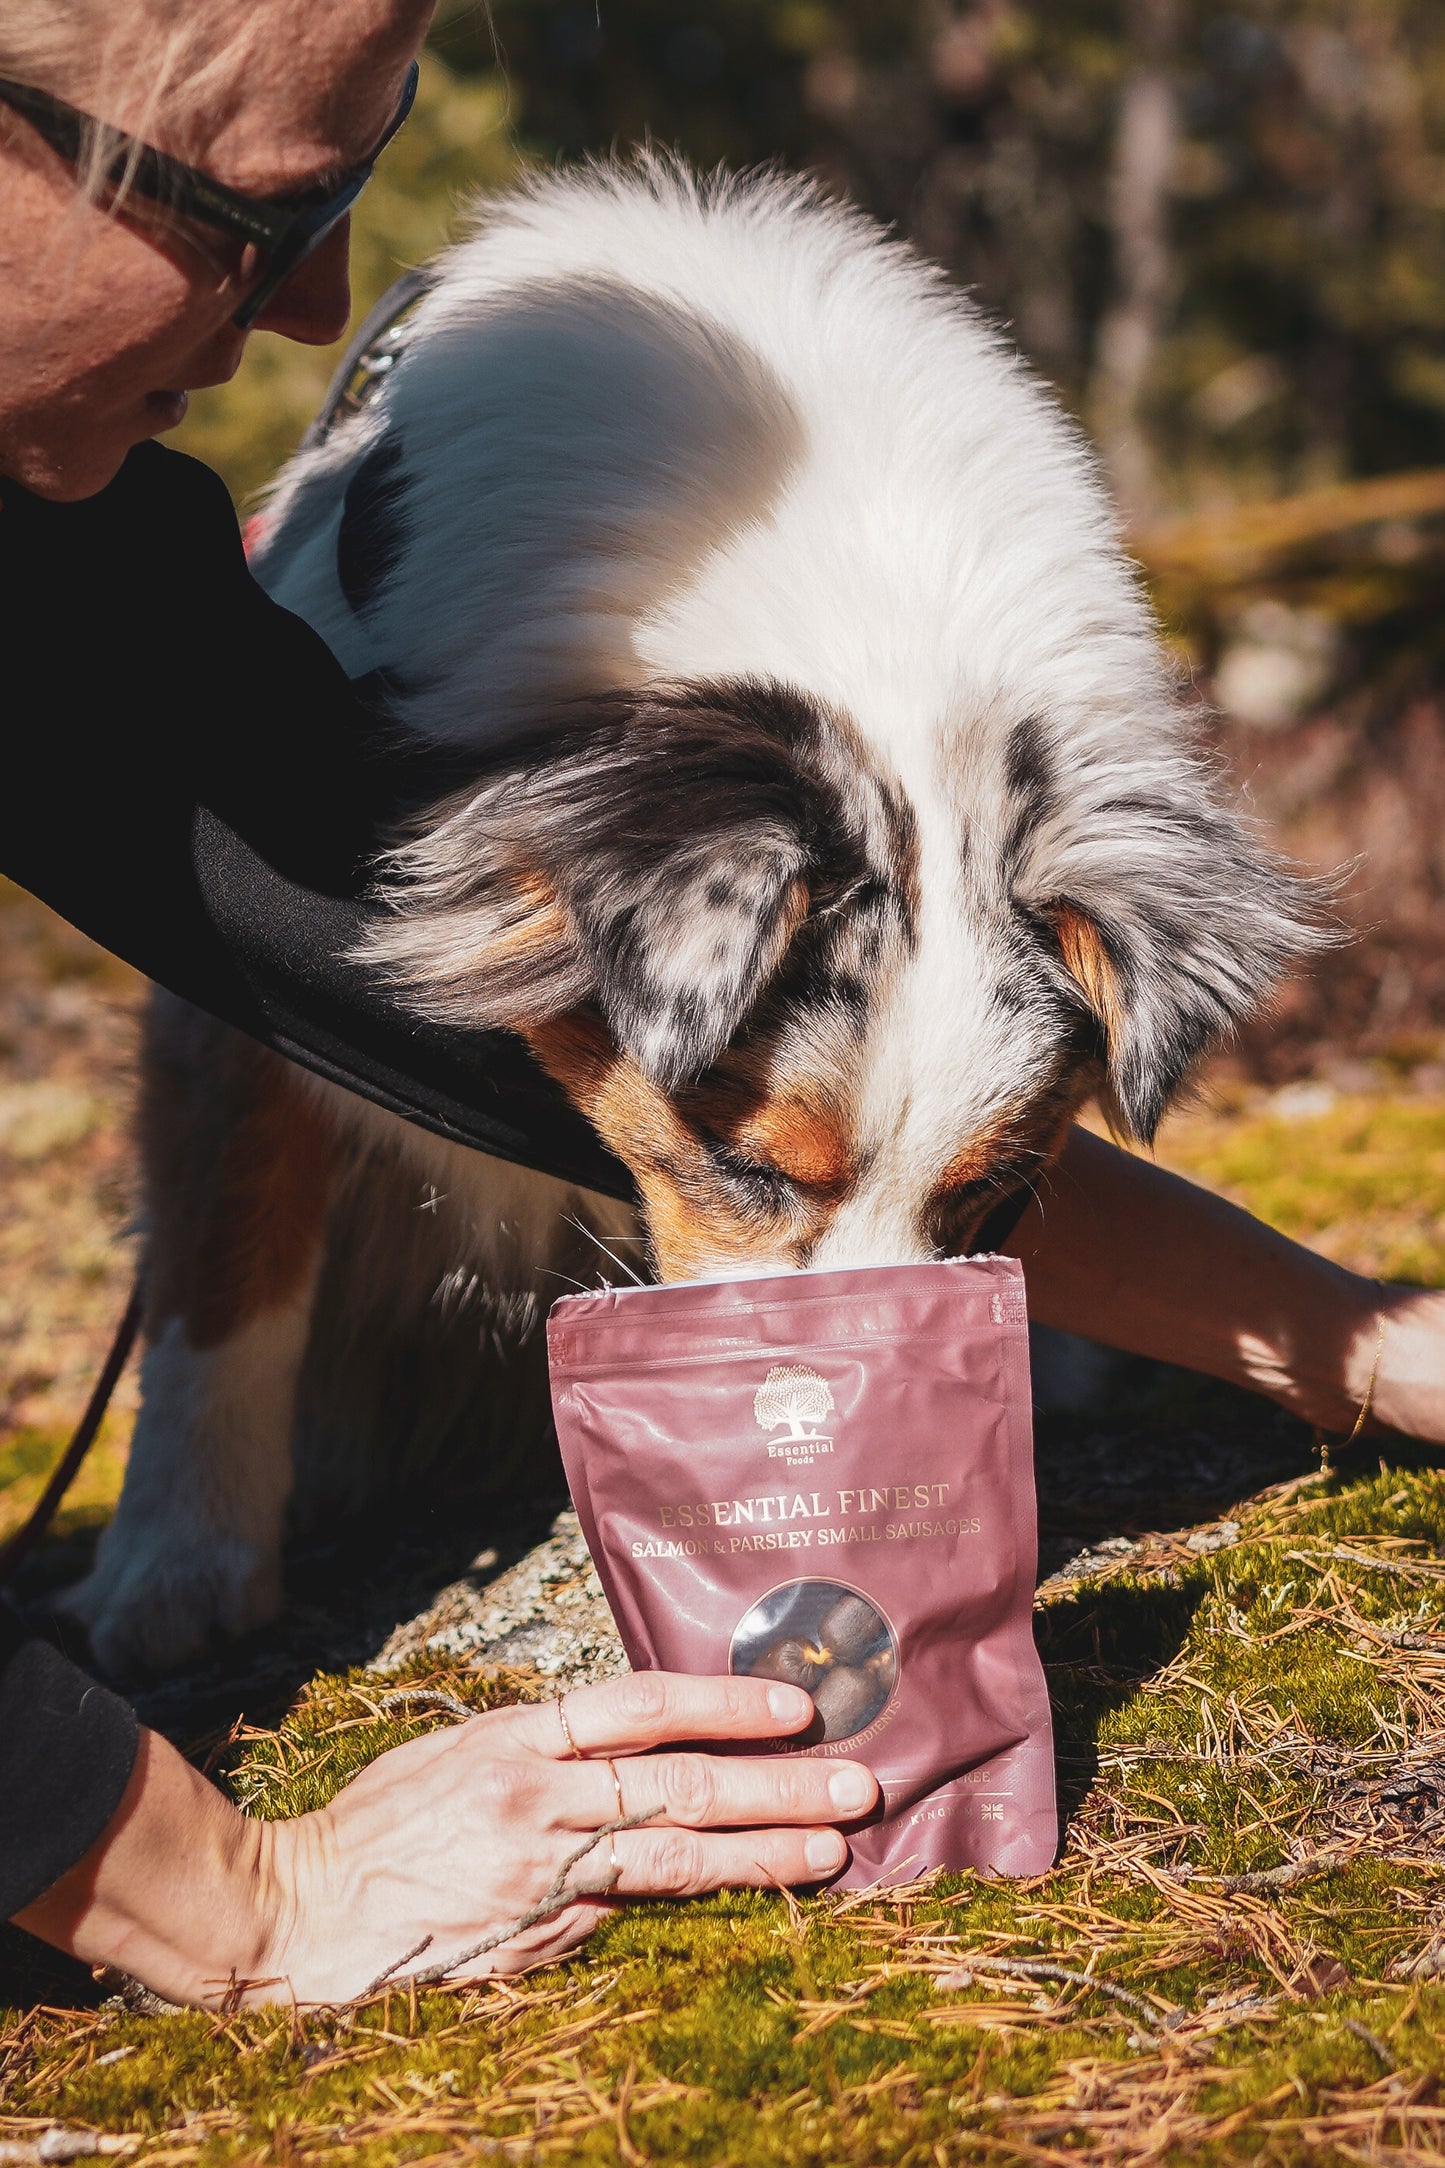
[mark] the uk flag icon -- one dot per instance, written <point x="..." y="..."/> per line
<point x="992" y="1810"/>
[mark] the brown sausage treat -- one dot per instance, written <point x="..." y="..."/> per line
<point x="849" y="1628"/>
<point x="846" y="1700"/>
<point x="880" y="1667"/>
<point x="791" y="1661"/>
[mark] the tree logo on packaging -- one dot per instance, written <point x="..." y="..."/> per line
<point x="797" y="1400"/>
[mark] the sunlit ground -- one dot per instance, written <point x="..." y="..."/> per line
<point x="1236" y="1958"/>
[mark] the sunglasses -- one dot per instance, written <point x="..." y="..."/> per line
<point x="285" y="229"/>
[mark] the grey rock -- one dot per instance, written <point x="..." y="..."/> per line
<point x="1218" y="1538"/>
<point x="1095" y="1559"/>
<point x="546" y="1613"/>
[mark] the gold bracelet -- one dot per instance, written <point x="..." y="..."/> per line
<point x="1325" y="1445"/>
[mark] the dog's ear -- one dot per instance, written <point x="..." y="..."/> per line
<point x="653" y="857"/>
<point x="1171" y="921"/>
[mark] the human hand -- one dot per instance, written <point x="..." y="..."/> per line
<point x="446" y="1843"/>
<point x="1397" y="1362"/>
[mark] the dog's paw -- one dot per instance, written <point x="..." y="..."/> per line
<point x="152" y="1606"/>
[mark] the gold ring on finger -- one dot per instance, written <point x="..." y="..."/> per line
<point x="559" y="1703"/>
<point x="616" y="1786"/>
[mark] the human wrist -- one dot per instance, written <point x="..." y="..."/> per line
<point x="1342" y="1380"/>
<point x="1322" y="1365"/>
<point x="1405" y="1349"/>
<point x="181" y="1891"/>
<point x="294" y="1900"/>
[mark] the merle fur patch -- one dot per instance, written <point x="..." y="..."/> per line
<point x="371" y="537"/>
<point x="1179" y="920"/>
<point x="658" y="855"/>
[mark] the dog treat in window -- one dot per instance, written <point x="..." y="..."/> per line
<point x="828" y="1479"/>
<point x="792" y="1661"/>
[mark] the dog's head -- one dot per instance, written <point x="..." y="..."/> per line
<point x="888" y="848"/>
<point x="825" y="1020"/>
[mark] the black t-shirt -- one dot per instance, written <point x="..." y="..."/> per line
<point x="196" y="785"/>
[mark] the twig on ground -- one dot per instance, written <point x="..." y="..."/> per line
<point x="427" y="1697"/>
<point x="1415" y="1569"/>
<point x="393" y="1969"/>
<point x="1426" y="1964"/>
<point x="1028" y="1968"/>
<point x="1372" y="2041"/>
<point x="1286" y="1876"/>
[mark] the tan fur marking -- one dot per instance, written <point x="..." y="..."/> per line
<point x="1031" y="1136"/>
<point x="538" y="918"/>
<point x="805" y="1140"/>
<point x="687" y="1242"/>
<point x="1025" y="1140"/>
<point x="976" y="1160"/>
<point x="537" y="925"/>
<point x="693" y="1222"/>
<point x="1085" y="959"/>
<point x="793" y="909"/>
<point x="578" y="1053"/>
<point x="269" y="1211"/>
<point x="239" y="1191"/>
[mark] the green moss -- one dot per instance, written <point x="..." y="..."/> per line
<point x="1371" y="1168"/>
<point x="742" y="2029"/>
<point x="1213" y="1714"/>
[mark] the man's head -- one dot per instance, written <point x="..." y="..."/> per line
<point x="115" y="310"/>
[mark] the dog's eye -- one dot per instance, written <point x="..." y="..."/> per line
<point x="951" y="1221"/>
<point x="762" y="1182"/>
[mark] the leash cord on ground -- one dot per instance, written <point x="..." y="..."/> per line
<point x="19" y="1546"/>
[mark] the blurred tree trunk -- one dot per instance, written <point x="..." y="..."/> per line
<point x="1135" y="317"/>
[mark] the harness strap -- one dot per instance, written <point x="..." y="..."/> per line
<point x="371" y="355"/>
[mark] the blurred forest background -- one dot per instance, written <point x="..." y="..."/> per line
<point x="1218" y="231"/>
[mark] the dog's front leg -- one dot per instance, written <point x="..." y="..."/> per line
<point x="238" y="1158"/>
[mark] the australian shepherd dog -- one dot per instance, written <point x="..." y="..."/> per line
<point x="833" y="832"/>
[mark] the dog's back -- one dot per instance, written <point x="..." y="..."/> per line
<point x="649" y="428"/>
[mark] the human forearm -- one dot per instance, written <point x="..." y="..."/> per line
<point x="1119" y="1250"/>
<point x="177" y="1892"/>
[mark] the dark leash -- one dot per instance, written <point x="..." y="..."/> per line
<point x="364" y="367"/>
<point x="18" y="1547"/>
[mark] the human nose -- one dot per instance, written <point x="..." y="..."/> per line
<point x="313" y="306"/>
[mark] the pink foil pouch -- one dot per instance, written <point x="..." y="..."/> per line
<point x="828" y="1478"/>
